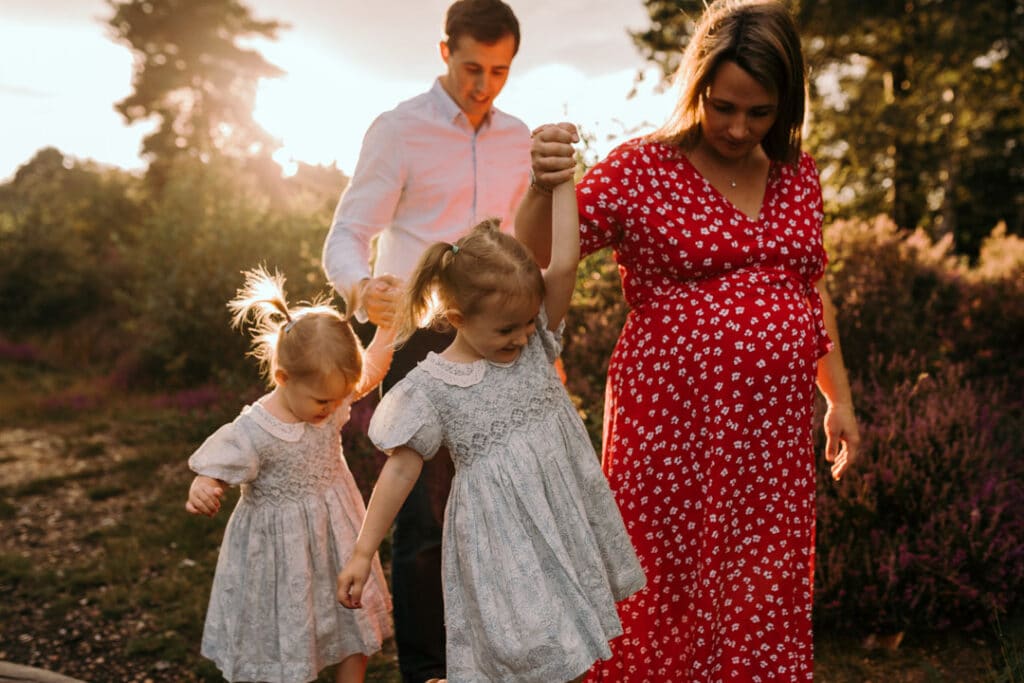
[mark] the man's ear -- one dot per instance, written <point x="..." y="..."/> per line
<point x="280" y="377"/>
<point x="446" y="53"/>
<point x="455" y="318"/>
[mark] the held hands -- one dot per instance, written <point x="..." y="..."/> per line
<point x="380" y="296"/>
<point x="204" y="496"/>
<point x="352" y="580"/>
<point x="552" y="156"/>
<point x="842" y="438"/>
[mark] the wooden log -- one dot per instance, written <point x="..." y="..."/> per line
<point x="17" y="673"/>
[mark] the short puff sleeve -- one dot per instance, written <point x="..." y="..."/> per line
<point x="228" y="454"/>
<point x="603" y="198"/>
<point x="405" y="417"/>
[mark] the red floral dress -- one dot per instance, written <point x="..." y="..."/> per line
<point x="708" y="437"/>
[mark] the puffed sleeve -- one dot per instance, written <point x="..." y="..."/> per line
<point x="602" y="197"/>
<point x="228" y="454"/>
<point x="551" y="340"/>
<point x="405" y="417"/>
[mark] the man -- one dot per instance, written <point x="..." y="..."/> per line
<point x="429" y="170"/>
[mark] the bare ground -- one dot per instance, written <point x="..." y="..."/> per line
<point x="53" y="508"/>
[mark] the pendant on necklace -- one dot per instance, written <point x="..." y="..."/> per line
<point x="732" y="183"/>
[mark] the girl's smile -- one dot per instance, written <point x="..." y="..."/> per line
<point x="498" y="333"/>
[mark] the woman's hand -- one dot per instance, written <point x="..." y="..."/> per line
<point x="552" y="156"/>
<point x="842" y="438"/>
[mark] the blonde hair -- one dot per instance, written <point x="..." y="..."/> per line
<point x="309" y="341"/>
<point x="761" y="38"/>
<point x="467" y="275"/>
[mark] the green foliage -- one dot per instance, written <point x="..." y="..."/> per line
<point x="192" y="75"/>
<point x="62" y="238"/>
<point x="915" y="107"/>
<point x="210" y="223"/>
<point x="137" y="287"/>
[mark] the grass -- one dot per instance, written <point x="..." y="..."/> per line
<point x="101" y="567"/>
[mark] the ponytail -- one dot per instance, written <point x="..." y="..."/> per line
<point x="421" y="305"/>
<point x="463" y="275"/>
<point x="313" y="339"/>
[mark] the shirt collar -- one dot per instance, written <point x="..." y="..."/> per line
<point x="450" y="109"/>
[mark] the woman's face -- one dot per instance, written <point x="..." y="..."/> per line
<point x="736" y="112"/>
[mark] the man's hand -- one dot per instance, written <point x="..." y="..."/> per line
<point x="380" y="296"/>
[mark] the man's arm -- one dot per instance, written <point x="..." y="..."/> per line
<point x="365" y="209"/>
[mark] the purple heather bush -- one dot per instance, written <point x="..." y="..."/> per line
<point x="18" y="352"/>
<point x="927" y="531"/>
<point x="190" y="400"/>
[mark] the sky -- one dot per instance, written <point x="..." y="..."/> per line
<point x="346" y="62"/>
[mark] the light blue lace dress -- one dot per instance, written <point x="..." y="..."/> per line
<point x="273" y="615"/>
<point x="535" y="552"/>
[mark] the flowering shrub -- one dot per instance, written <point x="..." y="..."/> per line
<point x="991" y="312"/>
<point x="927" y="531"/>
<point x="894" y="293"/>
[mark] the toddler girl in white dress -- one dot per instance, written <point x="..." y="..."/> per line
<point x="535" y="554"/>
<point x="272" y="614"/>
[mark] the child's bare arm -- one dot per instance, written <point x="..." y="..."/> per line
<point x="376" y="361"/>
<point x="396" y="480"/>
<point x="204" y="495"/>
<point x="560" y="276"/>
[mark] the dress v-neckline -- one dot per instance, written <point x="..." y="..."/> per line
<point x="764" y="196"/>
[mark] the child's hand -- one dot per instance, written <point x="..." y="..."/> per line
<point x="204" y="496"/>
<point x="351" y="581"/>
<point x="552" y="156"/>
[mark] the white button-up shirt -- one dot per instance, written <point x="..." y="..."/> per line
<point x="424" y="175"/>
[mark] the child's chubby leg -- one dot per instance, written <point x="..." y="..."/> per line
<point x="352" y="669"/>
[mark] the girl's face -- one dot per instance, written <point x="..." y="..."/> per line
<point x="313" y="399"/>
<point x="499" y="332"/>
<point x="736" y="113"/>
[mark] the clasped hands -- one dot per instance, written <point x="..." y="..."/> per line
<point x="552" y="156"/>
<point x="379" y="297"/>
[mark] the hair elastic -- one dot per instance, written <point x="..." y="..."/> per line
<point x="290" y="324"/>
<point x="455" y="249"/>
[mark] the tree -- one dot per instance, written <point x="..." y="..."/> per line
<point x="65" y="226"/>
<point x="192" y="75"/>
<point x="915" y="106"/>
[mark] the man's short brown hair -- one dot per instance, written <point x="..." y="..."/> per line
<point x="486" y="21"/>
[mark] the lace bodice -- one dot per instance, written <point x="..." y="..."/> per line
<point x="474" y="409"/>
<point x="272" y="460"/>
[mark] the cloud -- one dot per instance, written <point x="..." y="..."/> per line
<point x="21" y="91"/>
<point x="398" y="38"/>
